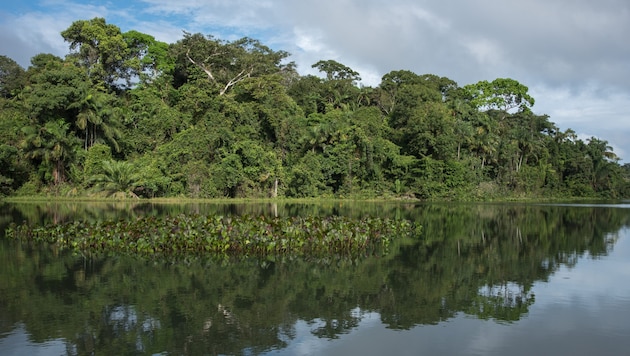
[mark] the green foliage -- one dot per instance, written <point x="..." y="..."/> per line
<point x="12" y="77"/>
<point x="155" y="183"/>
<point x="502" y="94"/>
<point x="224" y="64"/>
<point x="100" y="48"/>
<point x="14" y="168"/>
<point x="149" y="58"/>
<point x="221" y="237"/>
<point x="55" y="86"/>
<point x="118" y="179"/>
<point x="8" y="157"/>
<point x="32" y="187"/>
<point x="336" y="71"/>
<point x="98" y="119"/>
<point x="306" y="178"/>
<point x="53" y="146"/>
<point x="228" y="175"/>
<point x="94" y="159"/>
<point x="151" y="121"/>
<point x="214" y="118"/>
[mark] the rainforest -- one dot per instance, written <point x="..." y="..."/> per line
<point x="124" y="115"/>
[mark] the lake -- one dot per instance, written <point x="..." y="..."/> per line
<point x="480" y="279"/>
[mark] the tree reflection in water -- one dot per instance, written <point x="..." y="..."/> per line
<point x="481" y="260"/>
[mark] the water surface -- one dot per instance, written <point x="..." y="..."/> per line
<point x="481" y="279"/>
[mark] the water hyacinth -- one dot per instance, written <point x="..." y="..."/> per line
<point x="222" y="236"/>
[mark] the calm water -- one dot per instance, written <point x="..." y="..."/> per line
<point x="480" y="280"/>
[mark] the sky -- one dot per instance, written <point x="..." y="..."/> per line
<point x="573" y="55"/>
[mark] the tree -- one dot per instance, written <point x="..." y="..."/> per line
<point x="94" y="159"/>
<point x="148" y="58"/>
<point x="337" y="71"/>
<point x="500" y="94"/>
<point x="14" y="168"/>
<point x="401" y="90"/>
<point x="390" y="85"/>
<point x="228" y="174"/>
<point x="224" y="64"/>
<point x="152" y="120"/>
<point x="261" y="167"/>
<point x="306" y="177"/>
<point x="430" y="131"/>
<point x="60" y="89"/>
<point x="603" y="164"/>
<point x="12" y="77"/>
<point x="306" y="92"/>
<point x="269" y="101"/>
<point x="339" y="89"/>
<point x="528" y="132"/>
<point x="101" y="49"/>
<point x="98" y="118"/>
<point x="52" y="145"/>
<point x="118" y="179"/>
<point x="213" y="117"/>
<point x="485" y="140"/>
<point x="54" y="87"/>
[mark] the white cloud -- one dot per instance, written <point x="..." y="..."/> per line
<point x="485" y="51"/>
<point x="590" y="112"/>
<point x="30" y="34"/>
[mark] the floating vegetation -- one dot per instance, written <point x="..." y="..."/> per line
<point x="183" y="236"/>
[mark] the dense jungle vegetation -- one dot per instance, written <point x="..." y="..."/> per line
<point x="126" y="115"/>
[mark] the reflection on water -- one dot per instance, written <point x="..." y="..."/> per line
<point x="16" y="342"/>
<point x="482" y="279"/>
<point x="582" y="310"/>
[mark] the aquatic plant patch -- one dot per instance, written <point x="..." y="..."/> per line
<point x="221" y="236"/>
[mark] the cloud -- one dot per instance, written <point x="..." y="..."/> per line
<point x="30" y="34"/>
<point x="590" y="111"/>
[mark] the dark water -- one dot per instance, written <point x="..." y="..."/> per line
<point x="480" y="280"/>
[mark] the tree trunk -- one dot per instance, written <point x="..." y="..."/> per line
<point x="274" y="194"/>
<point x="58" y="173"/>
<point x="519" y="162"/>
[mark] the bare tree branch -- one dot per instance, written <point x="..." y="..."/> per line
<point x="244" y="74"/>
<point x="200" y="65"/>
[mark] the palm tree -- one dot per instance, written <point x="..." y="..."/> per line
<point x="52" y="145"/>
<point x="119" y="179"/>
<point x="318" y="135"/>
<point x="98" y="118"/>
<point x="603" y="160"/>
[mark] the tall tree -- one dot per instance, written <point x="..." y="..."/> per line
<point x="603" y="164"/>
<point x="13" y="165"/>
<point x="502" y="94"/>
<point x="339" y="89"/>
<point x="337" y="71"/>
<point x="98" y="118"/>
<point x="54" y="86"/>
<point x="101" y="49"/>
<point x="52" y="146"/>
<point x="224" y="64"/>
<point x="148" y="58"/>
<point x="12" y="77"/>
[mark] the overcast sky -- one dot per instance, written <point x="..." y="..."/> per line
<point x="574" y="55"/>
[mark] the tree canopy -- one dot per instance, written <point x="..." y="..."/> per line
<point x="208" y="118"/>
